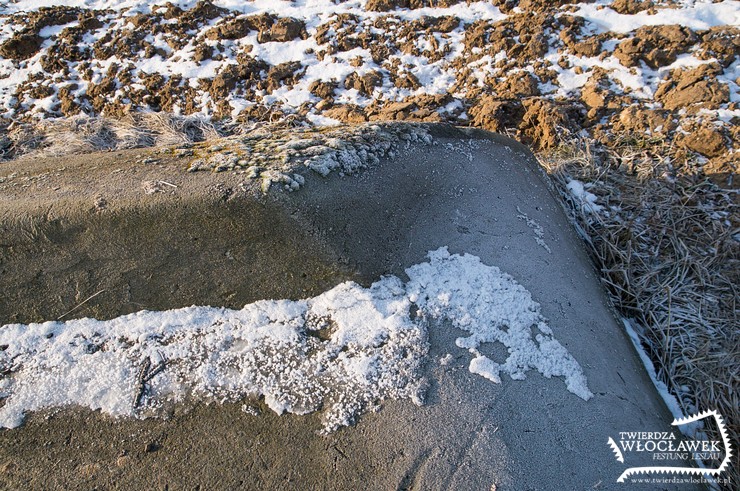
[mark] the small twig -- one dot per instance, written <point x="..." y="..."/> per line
<point x="167" y="183"/>
<point x="79" y="305"/>
<point x="141" y="382"/>
<point x="146" y="373"/>
<point x="158" y="368"/>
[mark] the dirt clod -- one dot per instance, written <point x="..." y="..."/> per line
<point x="347" y="113"/>
<point x="631" y="6"/>
<point x="21" y="46"/>
<point x="657" y="46"/>
<point x="365" y="84"/>
<point x="545" y="122"/>
<point x="707" y="141"/>
<point x="696" y="86"/>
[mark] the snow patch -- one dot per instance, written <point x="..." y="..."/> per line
<point x="697" y="16"/>
<point x="271" y="349"/>
<point x="492" y="307"/>
<point x="585" y="198"/>
<point x="341" y="352"/>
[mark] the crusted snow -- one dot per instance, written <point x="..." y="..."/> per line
<point x="269" y="348"/>
<point x="341" y="352"/>
<point x="586" y="199"/>
<point x="493" y="308"/>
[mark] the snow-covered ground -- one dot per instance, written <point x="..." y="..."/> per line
<point x="367" y="60"/>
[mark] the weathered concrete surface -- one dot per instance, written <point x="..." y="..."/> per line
<point x="214" y="240"/>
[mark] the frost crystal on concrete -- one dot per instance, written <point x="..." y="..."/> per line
<point x="279" y="157"/>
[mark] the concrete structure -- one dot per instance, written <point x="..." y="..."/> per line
<point x="468" y="191"/>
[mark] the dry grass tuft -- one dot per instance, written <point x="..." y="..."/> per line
<point x="669" y="254"/>
<point x="83" y="134"/>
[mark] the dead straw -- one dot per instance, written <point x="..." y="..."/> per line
<point x="669" y="257"/>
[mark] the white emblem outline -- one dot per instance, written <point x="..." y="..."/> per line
<point x="682" y="470"/>
<point x="615" y="449"/>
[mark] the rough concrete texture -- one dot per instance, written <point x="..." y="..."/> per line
<point x="215" y="240"/>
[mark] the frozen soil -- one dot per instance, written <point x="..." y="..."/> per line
<point x="613" y="70"/>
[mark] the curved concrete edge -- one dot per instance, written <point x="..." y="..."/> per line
<point x="471" y="191"/>
<point x="483" y="194"/>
